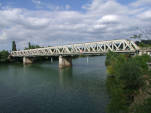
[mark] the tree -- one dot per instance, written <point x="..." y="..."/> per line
<point x="14" y="46"/>
<point x="139" y="36"/>
<point x="29" y="45"/>
<point x="4" y="56"/>
<point x="143" y="34"/>
<point x="126" y="81"/>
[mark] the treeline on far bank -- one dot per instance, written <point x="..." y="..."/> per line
<point x="144" y="43"/>
<point x="128" y="83"/>
<point x="5" y="55"/>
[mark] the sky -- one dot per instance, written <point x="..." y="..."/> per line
<point x="59" y="22"/>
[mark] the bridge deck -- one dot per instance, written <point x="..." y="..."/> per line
<point x="91" y="48"/>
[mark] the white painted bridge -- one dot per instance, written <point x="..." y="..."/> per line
<point x="66" y="52"/>
<point x="91" y="48"/>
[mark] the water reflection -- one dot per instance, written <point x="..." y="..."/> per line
<point x="65" y="77"/>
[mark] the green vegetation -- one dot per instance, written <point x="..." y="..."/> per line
<point x="125" y="81"/>
<point x="141" y="41"/>
<point x="144" y="43"/>
<point x="32" y="46"/>
<point x="14" y="46"/>
<point x="145" y="108"/>
<point x="4" y="56"/>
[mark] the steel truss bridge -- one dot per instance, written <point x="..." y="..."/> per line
<point x="91" y="48"/>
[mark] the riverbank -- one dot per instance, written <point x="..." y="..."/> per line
<point x="5" y="58"/>
<point x="128" y="83"/>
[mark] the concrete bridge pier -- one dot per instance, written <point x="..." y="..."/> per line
<point x="65" y="61"/>
<point x="27" y="60"/>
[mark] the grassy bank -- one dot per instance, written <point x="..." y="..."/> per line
<point x="128" y="83"/>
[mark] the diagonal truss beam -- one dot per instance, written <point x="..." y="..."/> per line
<point x="78" y="49"/>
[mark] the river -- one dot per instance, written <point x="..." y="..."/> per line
<point x="44" y="88"/>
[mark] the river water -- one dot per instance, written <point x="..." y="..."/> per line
<point x="44" y="88"/>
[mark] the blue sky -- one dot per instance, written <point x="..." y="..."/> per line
<point x="58" y="22"/>
<point x="28" y="4"/>
<point x="74" y="4"/>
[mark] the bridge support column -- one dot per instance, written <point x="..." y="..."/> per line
<point x="27" y="60"/>
<point x="65" y="61"/>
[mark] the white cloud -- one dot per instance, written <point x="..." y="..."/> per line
<point x="145" y="15"/>
<point x="102" y="7"/>
<point x="3" y="36"/>
<point x="43" y="5"/>
<point x="109" y="18"/>
<point x="140" y="3"/>
<point x="102" y="20"/>
<point x="37" y="2"/>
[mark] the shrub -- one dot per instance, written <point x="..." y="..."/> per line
<point x="4" y="56"/>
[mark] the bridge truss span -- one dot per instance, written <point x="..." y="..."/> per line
<point x="91" y="48"/>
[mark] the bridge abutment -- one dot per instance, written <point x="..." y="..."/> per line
<point x="65" y="61"/>
<point x="27" y="60"/>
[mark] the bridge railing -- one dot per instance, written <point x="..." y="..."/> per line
<point x="84" y="48"/>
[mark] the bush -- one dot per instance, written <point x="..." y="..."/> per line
<point x="118" y="102"/>
<point x="141" y="61"/>
<point x="127" y="78"/>
<point x="4" y="56"/>
<point x="145" y="108"/>
<point x="130" y="76"/>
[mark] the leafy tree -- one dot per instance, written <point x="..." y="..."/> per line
<point x="118" y="101"/>
<point x="143" y="33"/>
<point x="4" y="56"/>
<point x="14" y="46"/>
<point x="130" y="76"/>
<point x="29" y="45"/>
<point x="110" y="57"/>
<point x="139" y="36"/>
<point x="141" y="61"/>
<point x="144" y="43"/>
<point x="127" y="78"/>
